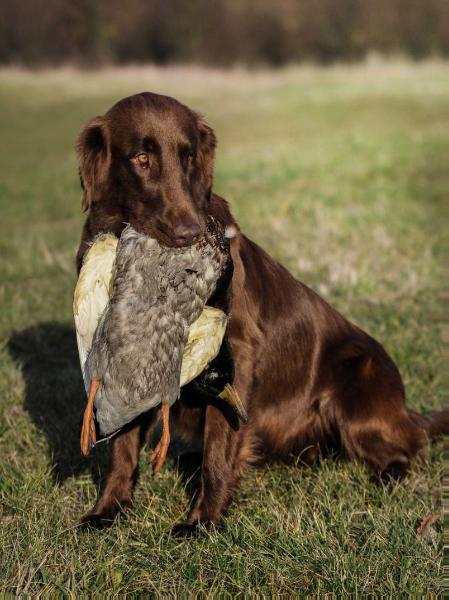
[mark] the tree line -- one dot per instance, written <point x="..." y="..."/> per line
<point x="218" y="32"/>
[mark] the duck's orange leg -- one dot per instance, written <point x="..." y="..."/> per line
<point x="160" y="452"/>
<point x="88" y="433"/>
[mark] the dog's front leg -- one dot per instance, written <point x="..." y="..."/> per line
<point x="220" y="471"/>
<point x="116" y="494"/>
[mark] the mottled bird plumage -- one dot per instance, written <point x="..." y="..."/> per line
<point x="138" y="346"/>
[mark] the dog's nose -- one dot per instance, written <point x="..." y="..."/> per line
<point x="187" y="234"/>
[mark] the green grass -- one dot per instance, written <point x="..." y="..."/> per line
<point x="340" y="173"/>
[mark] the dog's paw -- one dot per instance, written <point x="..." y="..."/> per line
<point x="101" y="519"/>
<point x="96" y="521"/>
<point x="185" y="529"/>
<point x="191" y="528"/>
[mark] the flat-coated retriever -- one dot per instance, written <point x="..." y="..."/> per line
<point x="310" y="380"/>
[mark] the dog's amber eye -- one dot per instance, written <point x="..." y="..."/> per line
<point x="142" y="159"/>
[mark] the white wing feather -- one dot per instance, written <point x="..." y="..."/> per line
<point x="92" y="294"/>
<point x="203" y="344"/>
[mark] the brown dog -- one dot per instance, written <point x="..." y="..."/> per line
<point x="310" y="380"/>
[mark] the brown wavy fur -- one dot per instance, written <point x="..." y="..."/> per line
<point x="311" y="381"/>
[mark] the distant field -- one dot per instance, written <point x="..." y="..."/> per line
<point x="341" y="174"/>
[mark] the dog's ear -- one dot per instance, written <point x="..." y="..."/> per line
<point x="206" y="154"/>
<point x="94" y="157"/>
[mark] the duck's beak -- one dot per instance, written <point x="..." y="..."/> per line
<point x="230" y="395"/>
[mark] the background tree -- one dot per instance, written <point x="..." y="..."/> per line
<point x="218" y="32"/>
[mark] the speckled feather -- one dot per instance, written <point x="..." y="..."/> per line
<point x="138" y="346"/>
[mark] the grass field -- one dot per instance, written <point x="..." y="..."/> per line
<point x="341" y="174"/>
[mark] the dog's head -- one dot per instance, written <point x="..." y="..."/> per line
<point x="153" y="158"/>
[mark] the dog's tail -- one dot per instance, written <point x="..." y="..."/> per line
<point x="435" y="425"/>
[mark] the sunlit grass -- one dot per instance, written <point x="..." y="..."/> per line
<point x="340" y="173"/>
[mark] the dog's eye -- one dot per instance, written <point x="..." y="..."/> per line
<point x="142" y="159"/>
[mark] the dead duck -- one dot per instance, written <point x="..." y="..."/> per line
<point x="143" y="329"/>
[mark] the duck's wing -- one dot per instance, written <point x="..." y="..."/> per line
<point x="204" y="342"/>
<point x="92" y="294"/>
